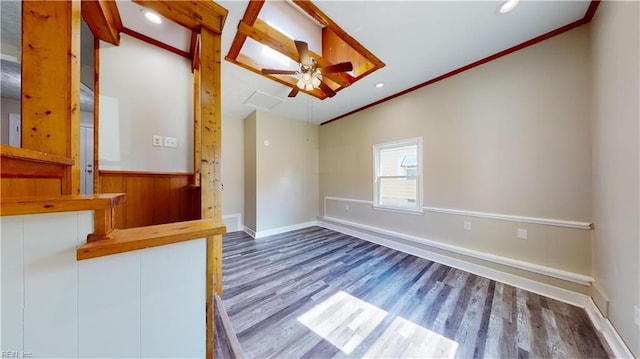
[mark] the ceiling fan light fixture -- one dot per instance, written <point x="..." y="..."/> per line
<point x="508" y="6"/>
<point x="315" y="81"/>
<point x="151" y="16"/>
<point x="300" y="84"/>
<point x="308" y="87"/>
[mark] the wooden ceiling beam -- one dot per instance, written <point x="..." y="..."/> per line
<point x="267" y="35"/>
<point x="322" y="18"/>
<point x="249" y="18"/>
<point x="191" y="14"/>
<point x="103" y="19"/>
<point x="194" y="51"/>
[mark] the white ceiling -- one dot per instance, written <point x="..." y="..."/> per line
<point x="417" y="40"/>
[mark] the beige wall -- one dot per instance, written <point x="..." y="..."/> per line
<point x="286" y="171"/>
<point x="250" y="179"/>
<point x="281" y="172"/>
<point x="509" y="137"/>
<point x="615" y="56"/>
<point x="144" y="91"/>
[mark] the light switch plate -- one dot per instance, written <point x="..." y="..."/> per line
<point x="157" y="141"/>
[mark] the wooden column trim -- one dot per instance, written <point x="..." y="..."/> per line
<point x="96" y="115"/>
<point x="211" y="188"/>
<point x="103" y="19"/>
<point x="197" y="128"/>
<point x="50" y="91"/>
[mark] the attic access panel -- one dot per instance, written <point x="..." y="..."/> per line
<point x="332" y="42"/>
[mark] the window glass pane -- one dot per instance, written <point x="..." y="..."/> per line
<point x="398" y="192"/>
<point x="395" y="161"/>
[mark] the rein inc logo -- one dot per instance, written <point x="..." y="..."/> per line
<point x="16" y="354"/>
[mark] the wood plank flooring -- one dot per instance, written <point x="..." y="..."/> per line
<point x="316" y="293"/>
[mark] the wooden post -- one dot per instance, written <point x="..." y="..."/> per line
<point x="197" y="129"/>
<point x="210" y="169"/>
<point x="50" y="102"/>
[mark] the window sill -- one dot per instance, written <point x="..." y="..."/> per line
<point x="416" y="212"/>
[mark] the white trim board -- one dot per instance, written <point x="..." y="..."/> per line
<point x="279" y="230"/>
<point x="503" y="217"/>
<point x="602" y="324"/>
<point x="531" y="267"/>
<point x="233" y="222"/>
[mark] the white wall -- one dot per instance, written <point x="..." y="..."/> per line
<point x="510" y="137"/>
<point x="147" y="303"/>
<point x="615" y="54"/>
<point x="145" y="91"/>
<point x="284" y="174"/>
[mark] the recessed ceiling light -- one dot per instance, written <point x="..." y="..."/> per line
<point x="151" y="16"/>
<point x="508" y="6"/>
<point x="379" y="85"/>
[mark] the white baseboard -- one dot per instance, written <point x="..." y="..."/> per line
<point x="580" y="300"/>
<point x="531" y="267"/>
<point x="249" y="231"/>
<point x="617" y="345"/>
<point x="233" y="222"/>
<point x="278" y="230"/>
<point x="554" y="292"/>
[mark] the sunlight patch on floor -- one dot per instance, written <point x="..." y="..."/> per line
<point x="343" y="320"/>
<point x="404" y="339"/>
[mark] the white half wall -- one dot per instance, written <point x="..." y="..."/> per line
<point x="146" y="303"/>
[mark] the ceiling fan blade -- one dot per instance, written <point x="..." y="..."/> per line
<point x="303" y="52"/>
<point x="341" y="67"/>
<point x="294" y="92"/>
<point x="326" y="89"/>
<point x="278" y="72"/>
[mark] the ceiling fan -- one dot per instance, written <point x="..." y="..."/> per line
<point x="309" y="70"/>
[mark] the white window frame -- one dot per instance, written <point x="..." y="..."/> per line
<point x="376" y="178"/>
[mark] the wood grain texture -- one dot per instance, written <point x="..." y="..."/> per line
<point x="68" y="203"/>
<point x="151" y="236"/>
<point x="210" y="165"/>
<point x="103" y="19"/>
<point x="152" y="197"/>
<point x="50" y="105"/>
<point x="193" y="15"/>
<point x="431" y="310"/>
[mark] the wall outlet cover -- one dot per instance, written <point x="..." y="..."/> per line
<point x="157" y="141"/>
<point x="170" y="142"/>
<point x="522" y="233"/>
<point x="467" y="226"/>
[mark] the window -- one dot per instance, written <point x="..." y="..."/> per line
<point x="398" y="175"/>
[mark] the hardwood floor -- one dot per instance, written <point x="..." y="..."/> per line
<point x="316" y="293"/>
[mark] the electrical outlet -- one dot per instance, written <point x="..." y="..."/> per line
<point x="636" y="315"/>
<point x="467" y="226"/>
<point x="157" y="141"/>
<point x="346" y="207"/>
<point x="522" y="233"/>
<point x="170" y="142"/>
